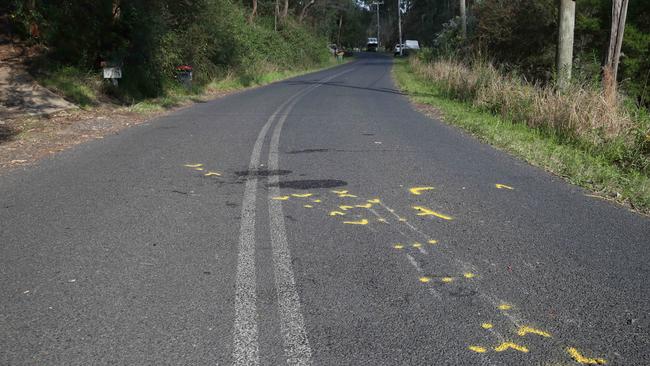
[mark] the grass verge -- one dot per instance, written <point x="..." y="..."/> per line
<point x="592" y="171"/>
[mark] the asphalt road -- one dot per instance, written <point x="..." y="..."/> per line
<point x="298" y="240"/>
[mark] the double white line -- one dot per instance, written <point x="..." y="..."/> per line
<point x="245" y="343"/>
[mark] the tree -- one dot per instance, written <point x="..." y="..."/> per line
<point x="610" y="69"/>
<point x="463" y="19"/>
<point x="565" y="42"/>
<point x="303" y="12"/>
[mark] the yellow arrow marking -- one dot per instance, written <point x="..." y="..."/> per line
<point x="447" y="279"/>
<point x="477" y="349"/>
<point x="578" y="357"/>
<point x="210" y="174"/>
<point x="469" y="275"/>
<point x="528" y="330"/>
<point x="193" y="165"/>
<point x="302" y="195"/>
<point x="503" y="186"/>
<point x="367" y="205"/>
<point x="345" y="208"/>
<point x="337" y="213"/>
<point x="374" y="200"/>
<point x="361" y="222"/>
<point x="398" y="246"/>
<point x="340" y="192"/>
<point x="308" y="206"/>
<point x="347" y="195"/>
<point x="509" y="345"/>
<point x="281" y="198"/>
<point x="425" y="279"/>
<point x="432" y="242"/>
<point x="504" y="307"/>
<point x="487" y="325"/>
<point x="418" y="190"/>
<point x="427" y="212"/>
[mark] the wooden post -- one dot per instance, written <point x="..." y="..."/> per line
<point x="463" y="19"/>
<point x="565" y="42"/>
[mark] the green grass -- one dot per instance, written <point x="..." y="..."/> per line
<point x="592" y="171"/>
<point x="73" y="84"/>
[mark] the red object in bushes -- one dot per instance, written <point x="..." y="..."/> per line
<point x="184" y="68"/>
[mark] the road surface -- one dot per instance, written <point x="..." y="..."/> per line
<point x="319" y="220"/>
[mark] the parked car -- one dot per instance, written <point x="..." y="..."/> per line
<point x="408" y="46"/>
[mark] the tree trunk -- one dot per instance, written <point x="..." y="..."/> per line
<point x="565" y="42"/>
<point x="251" y="18"/>
<point x="285" y="9"/>
<point x="610" y="69"/>
<point x="338" y="37"/>
<point x="463" y="19"/>
<point x="303" y="13"/>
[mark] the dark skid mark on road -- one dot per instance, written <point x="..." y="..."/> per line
<point x="310" y="183"/>
<point x="261" y="173"/>
<point x="307" y="151"/>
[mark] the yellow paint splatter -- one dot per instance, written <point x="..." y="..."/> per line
<point x="302" y="195"/>
<point x="347" y="195"/>
<point x="447" y="279"/>
<point x="509" y="345"/>
<point x="199" y="169"/>
<point x="578" y="357"/>
<point x="487" y="326"/>
<point x="211" y="173"/>
<point x="425" y="279"/>
<point x="416" y="191"/>
<point x="317" y="201"/>
<point x="504" y="307"/>
<point x="477" y="349"/>
<point x="469" y="275"/>
<point x="398" y="246"/>
<point x="503" y="186"/>
<point x="281" y="198"/>
<point x="427" y="212"/>
<point x="401" y="219"/>
<point x="381" y="219"/>
<point x="193" y="165"/>
<point x="528" y="330"/>
<point x="367" y="205"/>
<point x="340" y="192"/>
<point x="374" y="200"/>
<point x="432" y="242"/>
<point x="345" y="208"/>
<point x="337" y="213"/>
<point x="308" y="206"/>
<point x="416" y="245"/>
<point x="360" y="222"/>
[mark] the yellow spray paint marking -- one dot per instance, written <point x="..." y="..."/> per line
<point x="509" y="345"/>
<point x="578" y="357"/>
<point x="361" y="222"/>
<point x="487" y="325"/>
<point x="477" y="349"/>
<point x="425" y="279"/>
<point x="193" y="165"/>
<point x="302" y="195"/>
<point x="469" y="275"/>
<point x="398" y="246"/>
<point x="374" y="200"/>
<point x="528" y="330"/>
<point x="432" y="242"/>
<point x="447" y="279"/>
<point x="340" y="192"/>
<point x="345" y="208"/>
<point x="347" y="195"/>
<point x="416" y="191"/>
<point x="308" y="206"/>
<point x="199" y="169"/>
<point x="317" y="201"/>
<point x="337" y="213"/>
<point x="281" y="198"/>
<point x="211" y="173"/>
<point x="416" y="245"/>
<point x="427" y="212"/>
<point x="367" y="205"/>
<point x="503" y="186"/>
<point x="401" y="219"/>
<point x="504" y="307"/>
<point x="381" y="219"/>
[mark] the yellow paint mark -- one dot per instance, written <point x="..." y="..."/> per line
<point x="317" y="201"/>
<point x="509" y="345"/>
<point x="345" y="208"/>
<point x="337" y="213"/>
<point x="504" y="307"/>
<point x="418" y="190"/>
<point x="374" y="200"/>
<point x="302" y="195"/>
<point x="401" y="219"/>
<point x="281" y="198"/>
<point x="381" y="219"/>
<point x="199" y="169"/>
<point x="503" y="186"/>
<point x="447" y="279"/>
<point x="487" y="326"/>
<point x="193" y="165"/>
<point x="398" y="246"/>
<point x="416" y="245"/>
<point x="425" y="279"/>
<point x="432" y="242"/>
<point x="469" y="275"/>
<point x="477" y="349"/>
<point x="308" y="206"/>
<point x="211" y="173"/>
<point x="360" y="222"/>
<point x="340" y="192"/>
<point x="347" y="195"/>
<point x="528" y="330"/>
<point x="578" y="357"/>
<point x="427" y="212"/>
<point x="367" y="205"/>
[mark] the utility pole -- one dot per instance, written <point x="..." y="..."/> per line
<point x="463" y="19"/>
<point x="565" y="42"/>
<point x="399" y="26"/>
<point x="377" y="4"/>
<point x="610" y="69"/>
